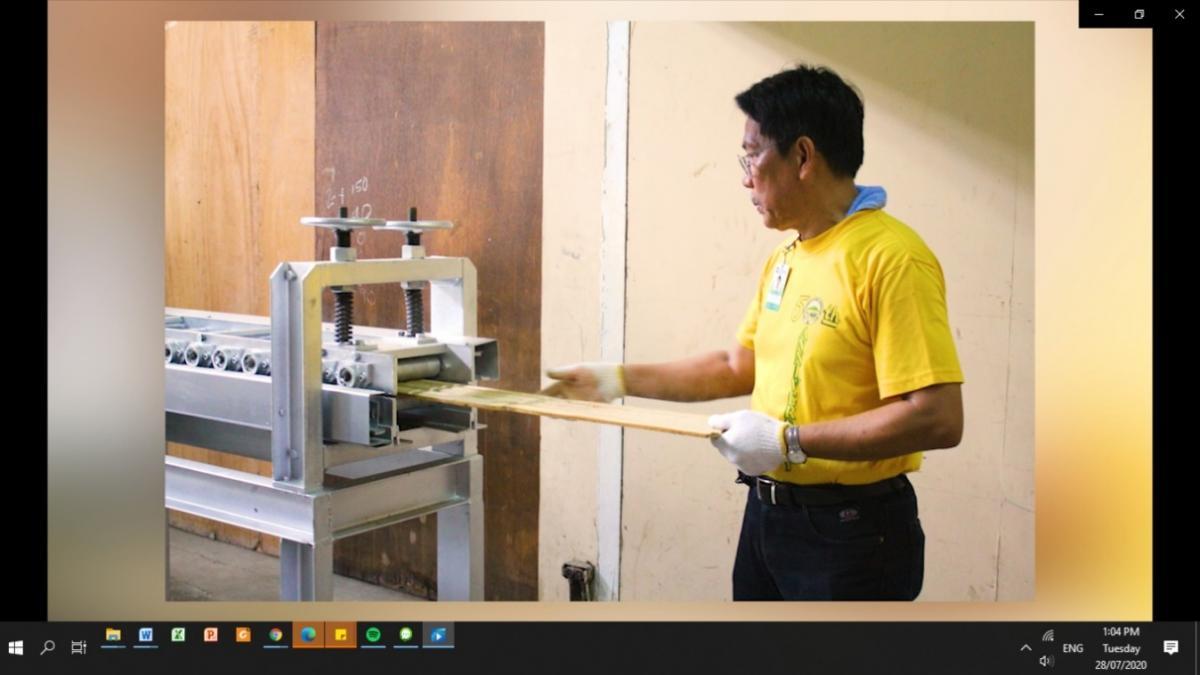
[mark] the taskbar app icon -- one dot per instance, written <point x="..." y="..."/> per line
<point x="308" y="634"/>
<point x="438" y="636"/>
<point x="341" y="635"/>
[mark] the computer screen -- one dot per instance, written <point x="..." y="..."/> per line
<point x="223" y="176"/>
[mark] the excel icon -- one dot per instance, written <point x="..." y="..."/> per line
<point x="178" y="635"/>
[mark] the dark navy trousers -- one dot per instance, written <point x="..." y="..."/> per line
<point x="861" y="549"/>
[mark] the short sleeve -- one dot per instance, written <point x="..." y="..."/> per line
<point x="749" y="326"/>
<point x="912" y="341"/>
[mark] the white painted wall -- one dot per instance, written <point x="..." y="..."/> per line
<point x="573" y="156"/>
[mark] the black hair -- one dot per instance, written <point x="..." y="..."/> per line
<point x="809" y="101"/>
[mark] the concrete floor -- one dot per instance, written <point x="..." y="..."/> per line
<point x="205" y="569"/>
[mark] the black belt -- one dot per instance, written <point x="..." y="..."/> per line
<point x="774" y="492"/>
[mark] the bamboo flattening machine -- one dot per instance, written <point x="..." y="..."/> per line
<point x="319" y="401"/>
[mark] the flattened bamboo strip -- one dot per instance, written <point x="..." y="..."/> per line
<point x="669" y="421"/>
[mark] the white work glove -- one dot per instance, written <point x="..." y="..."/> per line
<point x="751" y="441"/>
<point x="587" y="381"/>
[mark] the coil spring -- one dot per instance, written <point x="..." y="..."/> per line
<point x="343" y="316"/>
<point x="415" y="310"/>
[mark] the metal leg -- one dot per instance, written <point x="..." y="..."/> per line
<point x="460" y="543"/>
<point x="167" y="553"/>
<point x="305" y="571"/>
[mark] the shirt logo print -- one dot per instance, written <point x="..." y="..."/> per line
<point x="830" y="316"/>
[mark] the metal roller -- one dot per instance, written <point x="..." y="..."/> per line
<point x="257" y="362"/>
<point x="329" y="368"/>
<point x="353" y="374"/>
<point x="421" y="368"/>
<point x="175" y="350"/>
<point x="227" y="358"/>
<point x="198" y="355"/>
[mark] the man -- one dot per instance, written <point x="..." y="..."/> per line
<point x="846" y="350"/>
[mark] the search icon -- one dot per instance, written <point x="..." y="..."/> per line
<point x="48" y="647"/>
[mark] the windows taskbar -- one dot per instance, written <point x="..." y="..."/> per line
<point x="834" y="647"/>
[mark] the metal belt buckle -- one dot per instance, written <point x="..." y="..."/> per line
<point x="767" y="481"/>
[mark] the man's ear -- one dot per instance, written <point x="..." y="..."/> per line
<point x="803" y="152"/>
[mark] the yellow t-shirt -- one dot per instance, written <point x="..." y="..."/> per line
<point x="860" y="316"/>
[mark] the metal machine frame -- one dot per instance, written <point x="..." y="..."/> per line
<point x="385" y="472"/>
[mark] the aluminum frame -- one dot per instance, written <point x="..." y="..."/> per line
<point x="294" y="503"/>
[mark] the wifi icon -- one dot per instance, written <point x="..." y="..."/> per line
<point x="1048" y="636"/>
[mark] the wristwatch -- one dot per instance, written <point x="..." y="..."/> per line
<point x="792" y="452"/>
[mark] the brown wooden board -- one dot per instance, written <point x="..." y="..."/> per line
<point x="487" y="398"/>
<point x="238" y="175"/>
<point x="446" y="117"/>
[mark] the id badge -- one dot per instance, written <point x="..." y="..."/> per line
<point x="779" y="278"/>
